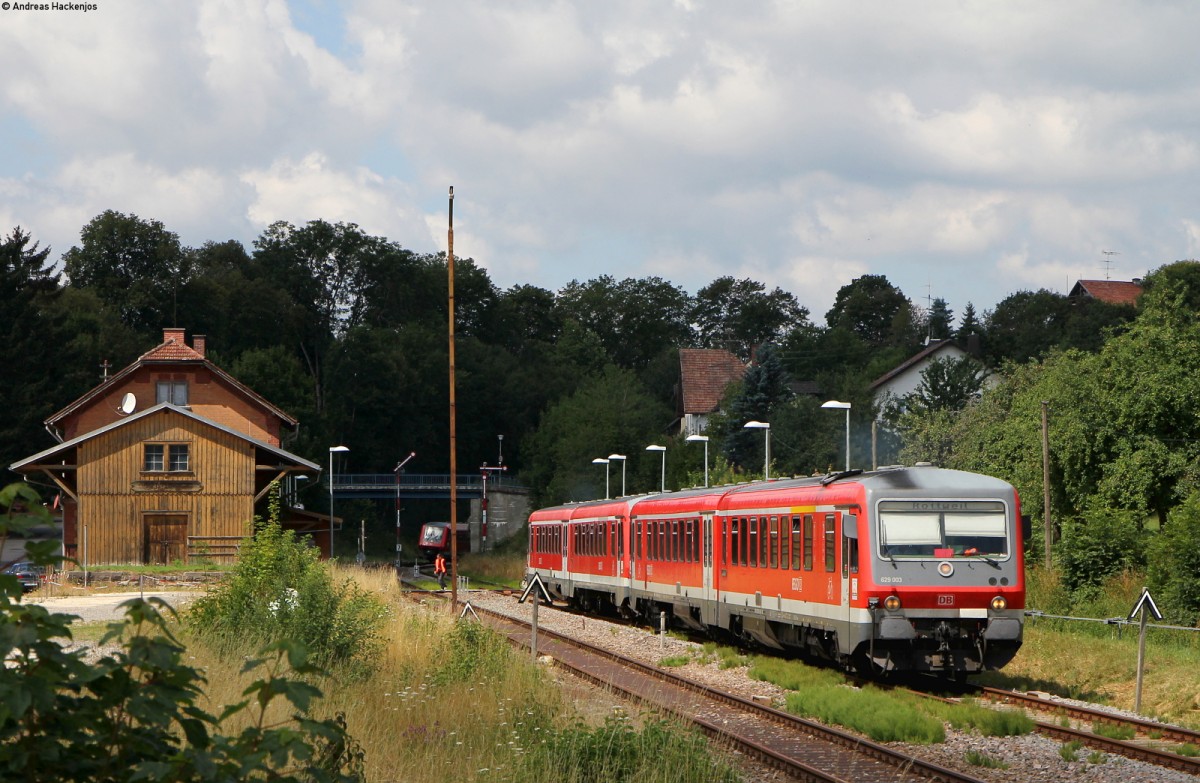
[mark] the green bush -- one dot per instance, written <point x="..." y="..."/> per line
<point x="1174" y="562"/>
<point x="136" y="714"/>
<point x="280" y="590"/>
<point x="1106" y="542"/>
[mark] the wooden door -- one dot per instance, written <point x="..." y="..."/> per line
<point x="166" y="539"/>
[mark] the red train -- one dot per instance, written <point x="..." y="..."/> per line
<point x="900" y="569"/>
<point x="435" y="537"/>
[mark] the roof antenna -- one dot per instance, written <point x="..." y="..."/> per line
<point x="1108" y="262"/>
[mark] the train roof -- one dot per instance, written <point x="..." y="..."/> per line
<point x="886" y="480"/>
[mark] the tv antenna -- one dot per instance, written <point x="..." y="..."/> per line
<point x="1108" y="254"/>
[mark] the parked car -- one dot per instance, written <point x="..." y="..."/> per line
<point x="28" y="574"/>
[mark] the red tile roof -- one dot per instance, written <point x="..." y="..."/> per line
<point x="1111" y="291"/>
<point x="172" y="348"/>
<point x="704" y="374"/>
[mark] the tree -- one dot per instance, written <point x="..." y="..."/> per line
<point x="762" y="390"/>
<point x="1027" y="325"/>
<point x="635" y="319"/>
<point x="135" y="266"/>
<point x="741" y="314"/>
<point x="947" y="383"/>
<point x="1174" y="561"/>
<point x="939" y="320"/>
<point x="969" y="325"/>
<point x="870" y="306"/>
<point x="609" y="413"/>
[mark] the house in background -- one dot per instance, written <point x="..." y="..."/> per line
<point x="905" y="378"/>
<point x="1116" y="292"/>
<point x="169" y="460"/>
<point x="704" y="375"/>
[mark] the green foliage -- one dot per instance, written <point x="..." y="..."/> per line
<point x="1123" y="733"/>
<point x="870" y="711"/>
<point x="620" y="753"/>
<point x="1069" y="751"/>
<point x="1104" y="542"/>
<point x="740" y="315"/>
<point x="280" y="590"/>
<point x="1173" y="563"/>
<point x="136" y="714"/>
<point x="674" y="661"/>
<point x="872" y="308"/>
<point x="978" y="759"/>
<point x="969" y="715"/>
<point x="471" y="653"/>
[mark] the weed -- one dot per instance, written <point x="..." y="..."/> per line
<point x="1069" y="750"/>
<point x="1096" y="757"/>
<point x="969" y="714"/>
<point x="870" y="711"/>
<point x="977" y="759"/>
<point x="1123" y="733"/>
<point x="675" y="660"/>
<point x="1188" y="749"/>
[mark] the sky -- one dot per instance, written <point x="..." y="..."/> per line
<point x="964" y="150"/>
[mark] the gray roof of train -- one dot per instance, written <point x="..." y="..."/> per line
<point x="902" y="479"/>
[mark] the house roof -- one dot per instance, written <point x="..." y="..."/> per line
<point x="929" y="351"/>
<point x="53" y="452"/>
<point x="1118" y="292"/>
<point x="173" y="351"/>
<point x="704" y="374"/>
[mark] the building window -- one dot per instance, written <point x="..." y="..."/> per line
<point x="154" y="457"/>
<point x="160" y="457"/>
<point x="174" y="392"/>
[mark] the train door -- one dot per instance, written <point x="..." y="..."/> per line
<point x="830" y="566"/>
<point x="706" y="556"/>
<point x="566" y="545"/>
<point x="849" y="525"/>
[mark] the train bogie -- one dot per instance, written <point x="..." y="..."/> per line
<point x="897" y="570"/>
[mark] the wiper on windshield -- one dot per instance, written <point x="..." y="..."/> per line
<point x="973" y="552"/>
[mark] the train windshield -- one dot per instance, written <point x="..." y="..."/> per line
<point x="940" y="529"/>
<point x="432" y="534"/>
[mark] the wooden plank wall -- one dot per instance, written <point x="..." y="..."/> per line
<point x="217" y="495"/>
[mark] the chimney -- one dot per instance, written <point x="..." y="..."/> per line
<point x="173" y="334"/>
<point x="198" y="341"/>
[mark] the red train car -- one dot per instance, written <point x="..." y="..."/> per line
<point x="435" y="538"/>
<point x="900" y="569"/>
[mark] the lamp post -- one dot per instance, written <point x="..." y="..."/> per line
<point x="332" y="451"/>
<point x="604" y="462"/>
<point x="701" y="439"/>
<point x="621" y="458"/>
<point x="846" y="407"/>
<point x="766" y="428"/>
<point x="663" y="449"/>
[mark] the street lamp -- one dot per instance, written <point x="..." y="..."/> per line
<point x="332" y="450"/>
<point x="766" y="428"/>
<point x="604" y="462"/>
<point x="620" y="457"/>
<point x="701" y="439"/>
<point x="846" y="407"/>
<point x="663" y="449"/>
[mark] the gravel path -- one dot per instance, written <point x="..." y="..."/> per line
<point x="1030" y="758"/>
<point x="105" y="608"/>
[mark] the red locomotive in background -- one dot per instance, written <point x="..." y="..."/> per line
<point x="435" y="538"/>
<point x="899" y="569"/>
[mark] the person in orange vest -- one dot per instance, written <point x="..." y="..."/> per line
<point x="439" y="570"/>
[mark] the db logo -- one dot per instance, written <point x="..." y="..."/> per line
<point x="4" y="6"/>
<point x="945" y="600"/>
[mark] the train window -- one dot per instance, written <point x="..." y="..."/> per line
<point x="676" y="542"/>
<point x="796" y="546"/>
<point x="808" y="542"/>
<point x="735" y="541"/>
<point x="752" y="544"/>
<point x="830" y="543"/>
<point x="763" y="542"/>
<point x="929" y="529"/>
<point x="774" y="542"/>
<point x="785" y="540"/>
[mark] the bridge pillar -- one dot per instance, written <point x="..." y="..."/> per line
<point x="508" y="508"/>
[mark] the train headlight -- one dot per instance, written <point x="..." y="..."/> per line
<point x="999" y="603"/>
<point x="891" y="603"/>
<point x="945" y="568"/>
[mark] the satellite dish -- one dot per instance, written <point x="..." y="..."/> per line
<point x="128" y="403"/>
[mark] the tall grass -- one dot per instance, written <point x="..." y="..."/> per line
<point x="449" y="700"/>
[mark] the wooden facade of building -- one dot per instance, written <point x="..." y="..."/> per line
<point x="174" y="481"/>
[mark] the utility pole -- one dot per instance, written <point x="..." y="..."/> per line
<point x="453" y="426"/>
<point x="1046" y="477"/>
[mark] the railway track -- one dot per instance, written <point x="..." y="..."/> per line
<point x="802" y="749"/>
<point x="1142" y="749"/>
